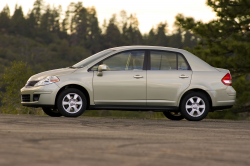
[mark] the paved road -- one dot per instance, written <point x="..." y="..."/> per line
<point x="42" y="140"/>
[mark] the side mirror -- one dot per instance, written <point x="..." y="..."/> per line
<point x="100" y="69"/>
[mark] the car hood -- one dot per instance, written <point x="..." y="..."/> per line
<point x="56" y="72"/>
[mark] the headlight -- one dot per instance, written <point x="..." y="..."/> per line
<point x="47" y="80"/>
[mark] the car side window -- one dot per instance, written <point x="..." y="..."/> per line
<point x="162" y="60"/>
<point x="128" y="60"/>
<point x="182" y="64"/>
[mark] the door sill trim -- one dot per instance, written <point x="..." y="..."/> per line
<point x="133" y="108"/>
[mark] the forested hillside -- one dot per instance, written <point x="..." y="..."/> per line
<point x="47" y="38"/>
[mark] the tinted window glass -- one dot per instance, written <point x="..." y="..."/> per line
<point x="182" y="64"/>
<point x="161" y="60"/>
<point x="129" y="60"/>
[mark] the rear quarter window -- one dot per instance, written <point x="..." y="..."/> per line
<point x="182" y="63"/>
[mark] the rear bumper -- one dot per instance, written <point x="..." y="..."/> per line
<point x="223" y="98"/>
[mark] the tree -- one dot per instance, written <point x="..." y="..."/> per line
<point x="176" y="39"/>
<point x="13" y="79"/>
<point x="93" y="39"/>
<point x="225" y="43"/>
<point x="161" y="37"/>
<point x="131" y="34"/>
<point x="18" y="22"/>
<point x="37" y="10"/>
<point x="31" y="24"/>
<point x="54" y="20"/>
<point x="5" y="19"/>
<point x="112" y="35"/>
<point x="190" y="40"/>
<point x="84" y="26"/>
<point x="158" y="36"/>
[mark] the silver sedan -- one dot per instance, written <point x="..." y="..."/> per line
<point x="146" y="78"/>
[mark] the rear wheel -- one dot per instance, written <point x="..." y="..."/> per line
<point x="71" y="102"/>
<point x="173" y="115"/>
<point x="51" y="112"/>
<point x="194" y="106"/>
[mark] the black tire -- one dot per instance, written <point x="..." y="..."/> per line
<point x="173" y="115"/>
<point x="194" y="111"/>
<point x="51" y="112"/>
<point x="63" y="108"/>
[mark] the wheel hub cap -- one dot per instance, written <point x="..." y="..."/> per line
<point x="72" y="103"/>
<point x="195" y="106"/>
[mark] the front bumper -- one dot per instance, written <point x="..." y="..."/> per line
<point x="47" y="95"/>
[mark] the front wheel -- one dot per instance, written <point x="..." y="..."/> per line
<point x="173" y="115"/>
<point x="71" y="102"/>
<point x="194" y="106"/>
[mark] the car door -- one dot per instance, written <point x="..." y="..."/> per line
<point x="168" y="76"/>
<point x="124" y="82"/>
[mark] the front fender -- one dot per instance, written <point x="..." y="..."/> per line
<point x="83" y="79"/>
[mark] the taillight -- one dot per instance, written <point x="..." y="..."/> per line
<point x="227" y="79"/>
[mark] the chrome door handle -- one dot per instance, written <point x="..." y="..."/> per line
<point x="183" y="76"/>
<point x="138" y="76"/>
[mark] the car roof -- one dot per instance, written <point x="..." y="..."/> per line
<point x="147" y="47"/>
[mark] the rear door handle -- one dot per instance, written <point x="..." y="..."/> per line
<point x="138" y="76"/>
<point x="183" y="76"/>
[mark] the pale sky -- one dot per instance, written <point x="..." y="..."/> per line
<point x="149" y="12"/>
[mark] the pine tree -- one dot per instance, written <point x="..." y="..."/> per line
<point x="5" y="19"/>
<point x="37" y="10"/>
<point x="112" y="35"/>
<point x="18" y="22"/>
<point x="175" y="40"/>
<point x="161" y="37"/>
<point x="131" y="34"/>
<point x="31" y="25"/>
<point x="93" y="38"/>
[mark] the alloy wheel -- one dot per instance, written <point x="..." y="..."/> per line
<point x="72" y="103"/>
<point x="195" y="106"/>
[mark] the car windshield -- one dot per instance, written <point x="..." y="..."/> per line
<point x="92" y="58"/>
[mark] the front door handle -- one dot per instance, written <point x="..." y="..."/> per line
<point x="138" y="76"/>
<point x="183" y="76"/>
